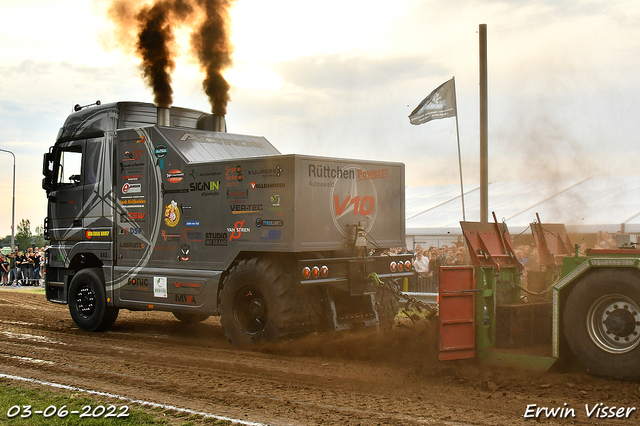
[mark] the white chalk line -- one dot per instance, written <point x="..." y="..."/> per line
<point x="135" y="401"/>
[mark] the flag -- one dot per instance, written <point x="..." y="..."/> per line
<point x="441" y="103"/>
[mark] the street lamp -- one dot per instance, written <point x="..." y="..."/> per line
<point x="13" y="206"/>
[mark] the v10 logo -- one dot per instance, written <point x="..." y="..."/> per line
<point x="359" y="205"/>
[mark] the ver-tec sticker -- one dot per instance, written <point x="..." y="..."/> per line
<point x="172" y="214"/>
<point x="246" y="208"/>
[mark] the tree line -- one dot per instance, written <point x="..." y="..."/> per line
<point x="24" y="238"/>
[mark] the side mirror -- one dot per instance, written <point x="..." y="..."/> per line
<point x="47" y="171"/>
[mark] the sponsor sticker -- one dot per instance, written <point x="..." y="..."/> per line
<point x="131" y="188"/>
<point x="160" y="287"/>
<point x="96" y="234"/>
<point x="275" y="185"/>
<point x="237" y="230"/>
<point x="175" y="176"/>
<point x="172" y="214"/>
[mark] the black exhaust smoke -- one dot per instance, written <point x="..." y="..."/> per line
<point x="155" y="43"/>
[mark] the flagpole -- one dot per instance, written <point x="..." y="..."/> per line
<point x="455" y="96"/>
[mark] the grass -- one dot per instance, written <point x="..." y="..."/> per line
<point x="37" y="290"/>
<point x="56" y="409"/>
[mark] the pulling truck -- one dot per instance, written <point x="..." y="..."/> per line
<point x="583" y="306"/>
<point x="161" y="209"/>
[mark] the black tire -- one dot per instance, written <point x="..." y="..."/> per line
<point x="601" y="323"/>
<point x="87" y="301"/>
<point x="188" y="318"/>
<point x="259" y="302"/>
<point x="388" y="306"/>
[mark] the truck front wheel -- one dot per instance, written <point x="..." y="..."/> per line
<point x="602" y="323"/>
<point x="87" y="301"/>
<point x="259" y="302"/>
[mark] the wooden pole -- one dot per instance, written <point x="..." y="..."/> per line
<point x="484" y="135"/>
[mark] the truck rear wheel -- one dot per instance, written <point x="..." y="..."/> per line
<point x="602" y="323"/>
<point x="190" y="318"/>
<point x="87" y="301"/>
<point x="259" y="302"/>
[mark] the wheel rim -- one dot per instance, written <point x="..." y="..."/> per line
<point x="613" y="322"/>
<point x="86" y="301"/>
<point x="250" y="309"/>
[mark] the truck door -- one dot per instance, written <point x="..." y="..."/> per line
<point x="67" y="198"/>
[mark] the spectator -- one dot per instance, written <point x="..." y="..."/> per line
<point x="605" y="241"/>
<point x="14" y="270"/>
<point x="462" y="257"/>
<point x="526" y="254"/>
<point x="533" y="264"/>
<point x="421" y="264"/>
<point x="4" y="269"/>
<point x="28" y="266"/>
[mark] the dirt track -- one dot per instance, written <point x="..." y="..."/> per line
<point x="364" y="378"/>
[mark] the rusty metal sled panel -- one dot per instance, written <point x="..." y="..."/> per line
<point x="457" y="313"/>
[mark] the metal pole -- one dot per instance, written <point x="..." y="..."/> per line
<point x="13" y="206"/>
<point x="464" y="216"/>
<point x="484" y="136"/>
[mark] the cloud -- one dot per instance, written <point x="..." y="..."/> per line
<point x="343" y="72"/>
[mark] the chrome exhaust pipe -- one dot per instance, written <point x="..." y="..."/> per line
<point x="164" y="117"/>
<point x="212" y="122"/>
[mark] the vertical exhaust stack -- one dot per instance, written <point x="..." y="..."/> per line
<point x="212" y="122"/>
<point x="164" y="117"/>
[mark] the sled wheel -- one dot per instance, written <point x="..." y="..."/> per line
<point x="87" y="301"/>
<point x="190" y="318"/>
<point x="602" y="323"/>
<point x="387" y="306"/>
<point x="259" y="302"/>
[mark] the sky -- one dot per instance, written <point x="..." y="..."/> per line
<point x="340" y="77"/>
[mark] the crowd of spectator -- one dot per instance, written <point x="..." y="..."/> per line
<point x="20" y="268"/>
<point x="427" y="262"/>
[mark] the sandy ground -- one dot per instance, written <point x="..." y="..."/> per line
<point x="360" y="378"/>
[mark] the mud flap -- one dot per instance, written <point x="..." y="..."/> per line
<point x="457" y="313"/>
